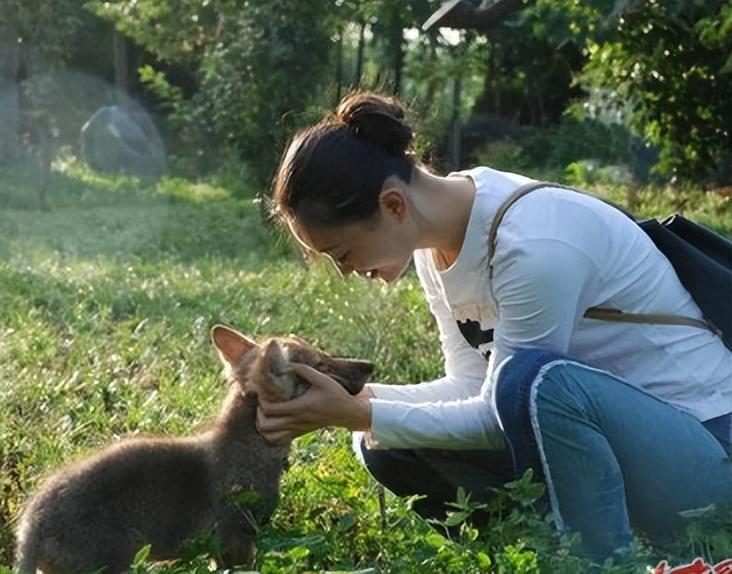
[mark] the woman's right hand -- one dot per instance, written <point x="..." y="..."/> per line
<point x="326" y="403"/>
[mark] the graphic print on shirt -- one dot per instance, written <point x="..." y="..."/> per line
<point x="474" y="335"/>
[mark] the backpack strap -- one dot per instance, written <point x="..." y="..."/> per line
<point x="618" y="316"/>
<point x="599" y="313"/>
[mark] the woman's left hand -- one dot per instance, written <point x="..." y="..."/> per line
<point x="326" y="403"/>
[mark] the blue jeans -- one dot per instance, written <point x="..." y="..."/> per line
<point x="612" y="457"/>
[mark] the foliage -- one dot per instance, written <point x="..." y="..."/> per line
<point x="652" y="86"/>
<point x="585" y="151"/>
<point x="526" y="65"/>
<point x="669" y="63"/>
<point x="254" y="86"/>
<point x="252" y="78"/>
<point x="663" y="69"/>
<point x="45" y="28"/>
<point x="575" y="139"/>
<point x="38" y="38"/>
<point x="434" y="66"/>
<point x="254" y="97"/>
<point x="175" y="31"/>
<point x="255" y="71"/>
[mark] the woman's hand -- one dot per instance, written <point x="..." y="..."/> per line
<point x="326" y="403"/>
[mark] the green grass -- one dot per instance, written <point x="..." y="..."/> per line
<point x="106" y="301"/>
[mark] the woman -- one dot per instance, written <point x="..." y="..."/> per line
<point x="632" y="429"/>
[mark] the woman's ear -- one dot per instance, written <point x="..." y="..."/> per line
<point x="393" y="202"/>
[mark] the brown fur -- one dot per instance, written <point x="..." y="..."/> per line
<point x="97" y="513"/>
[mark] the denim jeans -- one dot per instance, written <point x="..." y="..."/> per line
<point x="612" y="457"/>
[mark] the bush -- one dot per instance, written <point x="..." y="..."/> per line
<point x="581" y="149"/>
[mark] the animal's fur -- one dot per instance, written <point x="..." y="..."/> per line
<point x="97" y="513"/>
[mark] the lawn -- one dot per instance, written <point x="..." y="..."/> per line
<point x="106" y="302"/>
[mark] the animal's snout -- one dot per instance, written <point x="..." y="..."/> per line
<point x="365" y="368"/>
<point x="352" y="374"/>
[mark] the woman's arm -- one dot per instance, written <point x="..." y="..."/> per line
<point x="543" y="288"/>
<point x="457" y="424"/>
<point x="465" y="367"/>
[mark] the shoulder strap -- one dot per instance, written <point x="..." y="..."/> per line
<point x="618" y="316"/>
<point x="599" y="313"/>
<point x="505" y="206"/>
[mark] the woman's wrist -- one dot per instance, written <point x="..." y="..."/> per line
<point x="360" y="411"/>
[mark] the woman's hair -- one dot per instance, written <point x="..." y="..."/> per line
<point x="332" y="172"/>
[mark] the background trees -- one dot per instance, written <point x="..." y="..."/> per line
<point x="669" y="64"/>
<point x="228" y="79"/>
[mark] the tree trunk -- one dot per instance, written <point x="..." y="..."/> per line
<point x="455" y="147"/>
<point x="9" y="108"/>
<point x="339" y="67"/>
<point x="359" y="54"/>
<point x="45" y="153"/>
<point x="398" y="48"/>
<point x="121" y="66"/>
<point x="435" y="82"/>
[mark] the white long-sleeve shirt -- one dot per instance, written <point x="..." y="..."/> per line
<point x="558" y="253"/>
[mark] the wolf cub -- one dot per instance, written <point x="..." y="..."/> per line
<point x="98" y="512"/>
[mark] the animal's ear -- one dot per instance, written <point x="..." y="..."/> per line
<point x="275" y="357"/>
<point x="230" y="344"/>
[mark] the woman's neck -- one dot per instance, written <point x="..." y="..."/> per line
<point x="443" y="206"/>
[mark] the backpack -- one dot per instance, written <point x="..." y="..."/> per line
<point x="701" y="258"/>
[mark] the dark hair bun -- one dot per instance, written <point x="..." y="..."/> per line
<point x="378" y="119"/>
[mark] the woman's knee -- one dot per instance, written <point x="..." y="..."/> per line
<point x="394" y="468"/>
<point x="513" y="405"/>
<point x="517" y="377"/>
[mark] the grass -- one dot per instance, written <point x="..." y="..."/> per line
<point x="106" y="301"/>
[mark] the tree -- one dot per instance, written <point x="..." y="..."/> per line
<point x="260" y="77"/>
<point x="672" y="61"/>
<point x="662" y="68"/>
<point x="258" y="66"/>
<point x="36" y="37"/>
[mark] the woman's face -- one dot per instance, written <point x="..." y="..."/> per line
<point x="380" y="248"/>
